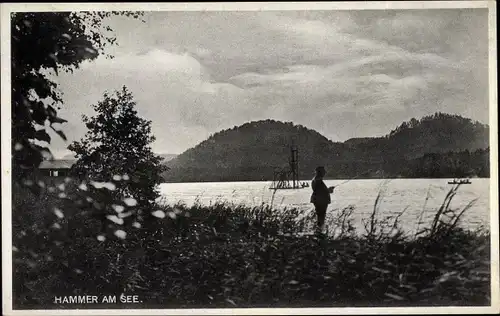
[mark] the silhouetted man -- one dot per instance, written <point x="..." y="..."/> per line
<point x="320" y="196"/>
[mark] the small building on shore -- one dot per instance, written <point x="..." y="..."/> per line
<point x="56" y="168"/>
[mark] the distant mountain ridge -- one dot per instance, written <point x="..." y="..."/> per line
<point x="255" y="149"/>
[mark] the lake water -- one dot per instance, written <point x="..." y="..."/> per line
<point x="399" y="194"/>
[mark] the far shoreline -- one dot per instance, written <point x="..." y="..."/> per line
<point x="326" y="179"/>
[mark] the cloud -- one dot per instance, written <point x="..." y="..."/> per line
<point x="344" y="73"/>
<point x="171" y="90"/>
<point x="392" y="85"/>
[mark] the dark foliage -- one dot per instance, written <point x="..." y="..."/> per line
<point x="236" y="256"/>
<point x="116" y="145"/>
<point x="456" y="164"/>
<point x="43" y="42"/>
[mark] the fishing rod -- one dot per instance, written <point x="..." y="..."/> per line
<point x="359" y="174"/>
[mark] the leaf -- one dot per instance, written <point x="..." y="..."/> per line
<point x="58" y="212"/>
<point x="120" y="234"/>
<point x="158" y="213"/>
<point x="51" y="111"/>
<point x="130" y="201"/>
<point x="230" y="301"/>
<point x="39" y="114"/>
<point x="56" y="119"/>
<point x="60" y="133"/>
<point x="115" y="219"/>
<point x="394" y="296"/>
<point x="480" y="271"/>
<point x="42" y="135"/>
<point x="445" y="277"/>
<point x="53" y="118"/>
<point x="381" y="270"/>
<point x="409" y="287"/>
<point x="427" y="290"/>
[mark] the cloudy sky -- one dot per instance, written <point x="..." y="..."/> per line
<point x="343" y="73"/>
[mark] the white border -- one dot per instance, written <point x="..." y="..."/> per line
<point x="6" y="9"/>
<point x="248" y="6"/>
<point x="6" y="161"/>
<point x="494" y="216"/>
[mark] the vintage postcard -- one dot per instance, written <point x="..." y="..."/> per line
<point x="249" y="158"/>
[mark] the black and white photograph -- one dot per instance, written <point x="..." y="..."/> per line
<point x="249" y="158"/>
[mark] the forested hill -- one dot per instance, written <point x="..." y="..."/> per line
<point x="254" y="150"/>
<point x="437" y="133"/>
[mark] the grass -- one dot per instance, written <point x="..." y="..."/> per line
<point x="226" y="255"/>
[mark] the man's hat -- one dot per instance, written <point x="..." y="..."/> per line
<point x="320" y="168"/>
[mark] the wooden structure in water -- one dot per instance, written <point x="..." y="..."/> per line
<point x="288" y="177"/>
<point x="459" y="181"/>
